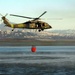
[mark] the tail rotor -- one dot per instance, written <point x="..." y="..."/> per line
<point x="1" y="20"/>
<point x="6" y="14"/>
<point x="1" y="14"/>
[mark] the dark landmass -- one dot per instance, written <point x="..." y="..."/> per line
<point x="26" y="38"/>
<point x="30" y="42"/>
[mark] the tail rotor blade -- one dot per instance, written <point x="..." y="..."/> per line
<point x="6" y="14"/>
<point x="1" y="21"/>
<point x="1" y="14"/>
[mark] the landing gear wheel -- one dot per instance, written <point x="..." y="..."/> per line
<point x="42" y="29"/>
<point x="39" y="30"/>
<point x="12" y="29"/>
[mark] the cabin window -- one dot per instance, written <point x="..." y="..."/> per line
<point x="39" y="25"/>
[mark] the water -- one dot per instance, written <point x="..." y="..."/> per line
<point x="48" y="60"/>
<point x="39" y="48"/>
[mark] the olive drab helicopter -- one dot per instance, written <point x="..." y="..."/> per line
<point x="31" y="24"/>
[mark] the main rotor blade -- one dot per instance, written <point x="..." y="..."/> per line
<point x="42" y="14"/>
<point x="21" y="16"/>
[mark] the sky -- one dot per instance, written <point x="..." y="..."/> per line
<point x="60" y="13"/>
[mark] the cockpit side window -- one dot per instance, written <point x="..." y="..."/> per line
<point x="43" y="24"/>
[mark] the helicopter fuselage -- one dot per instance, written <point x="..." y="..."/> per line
<point x="33" y="25"/>
<point x="28" y="25"/>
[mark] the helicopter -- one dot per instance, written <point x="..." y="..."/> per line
<point x="31" y="24"/>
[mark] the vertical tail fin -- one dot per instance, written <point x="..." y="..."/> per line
<point x="5" y="21"/>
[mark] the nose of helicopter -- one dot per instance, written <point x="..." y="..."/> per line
<point x="50" y="26"/>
